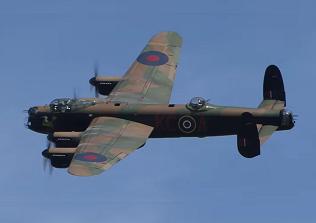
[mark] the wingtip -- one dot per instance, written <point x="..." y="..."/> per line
<point x="173" y="38"/>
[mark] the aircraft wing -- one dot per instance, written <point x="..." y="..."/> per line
<point x="105" y="142"/>
<point x="150" y="78"/>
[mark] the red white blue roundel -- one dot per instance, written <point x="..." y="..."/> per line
<point x="187" y="124"/>
<point x="153" y="58"/>
<point x="90" y="157"/>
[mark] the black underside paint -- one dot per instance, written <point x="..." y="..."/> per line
<point x="164" y="126"/>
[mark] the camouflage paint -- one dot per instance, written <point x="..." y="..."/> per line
<point x="150" y="82"/>
<point x="107" y="140"/>
<point x="137" y="108"/>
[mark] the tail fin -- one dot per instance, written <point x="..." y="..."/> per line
<point x="273" y="99"/>
<point x="273" y="89"/>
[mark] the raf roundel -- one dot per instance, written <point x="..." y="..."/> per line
<point x="90" y="157"/>
<point x="187" y="124"/>
<point x="153" y="58"/>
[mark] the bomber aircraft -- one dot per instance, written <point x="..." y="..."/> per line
<point x="90" y="135"/>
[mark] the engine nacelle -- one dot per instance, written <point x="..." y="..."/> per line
<point x="65" y="139"/>
<point x="59" y="157"/>
<point x="104" y="85"/>
<point x="61" y="160"/>
<point x="66" y="145"/>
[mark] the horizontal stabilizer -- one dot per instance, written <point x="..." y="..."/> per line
<point x="265" y="132"/>
<point x="273" y="99"/>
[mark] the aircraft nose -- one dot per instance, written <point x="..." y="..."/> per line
<point x="32" y="111"/>
<point x="37" y="119"/>
<point x="32" y="116"/>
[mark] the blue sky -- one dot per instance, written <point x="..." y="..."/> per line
<point x="48" y="48"/>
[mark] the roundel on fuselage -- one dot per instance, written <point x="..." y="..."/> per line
<point x="187" y="124"/>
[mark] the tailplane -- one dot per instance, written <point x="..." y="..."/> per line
<point x="273" y="99"/>
<point x="252" y="135"/>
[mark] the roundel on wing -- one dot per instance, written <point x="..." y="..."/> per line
<point x="90" y="157"/>
<point x="153" y="58"/>
<point x="187" y="124"/>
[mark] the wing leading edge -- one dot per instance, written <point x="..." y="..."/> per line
<point x="107" y="141"/>
<point x="150" y="78"/>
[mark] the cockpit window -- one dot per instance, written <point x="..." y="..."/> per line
<point x="61" y="105"/>
<point x="68" y="104"/>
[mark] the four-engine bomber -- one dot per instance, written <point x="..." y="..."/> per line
<point x="92" y="134"/>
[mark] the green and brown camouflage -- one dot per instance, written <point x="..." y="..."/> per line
<point x="265" y="131"/>
<point x="95" y="133"/>
<point x="110" y="140"/>
<point x="151" y="84"/>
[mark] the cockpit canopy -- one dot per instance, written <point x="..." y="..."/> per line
<point x="197" y="103"/>
<point x="68" y="104"/>
<point x="61" y="105"/>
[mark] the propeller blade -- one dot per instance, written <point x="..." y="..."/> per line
<point x="75" y="96"/>
<point x="45" y="163"/>
<point x="96" y="69"/>
<point x="48" y="144"/>
<point x="51" y="168"/>
<point x="26" y="122"/>
<point x="46" y="157"/>
<point x="96" y="92"/>
<point x="96" y="74"/>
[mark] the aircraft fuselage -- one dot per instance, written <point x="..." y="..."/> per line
<point x="167" y="120"/>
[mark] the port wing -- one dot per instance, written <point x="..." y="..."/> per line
<point x="105" y="142"/>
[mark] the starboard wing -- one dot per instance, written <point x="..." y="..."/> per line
<point x="150" y="78"/>
<point x="105" y="142"/>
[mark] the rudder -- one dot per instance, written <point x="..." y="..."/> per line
<point x="273" y="87"/>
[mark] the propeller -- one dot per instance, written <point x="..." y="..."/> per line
<point x="47" y="161"/>
<point x="95" y="75"/>
<point x="26" y="122"/>
<point x="295" y="117"/>
<point x="75" y="96"/>
<point x="26" y="118"/>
